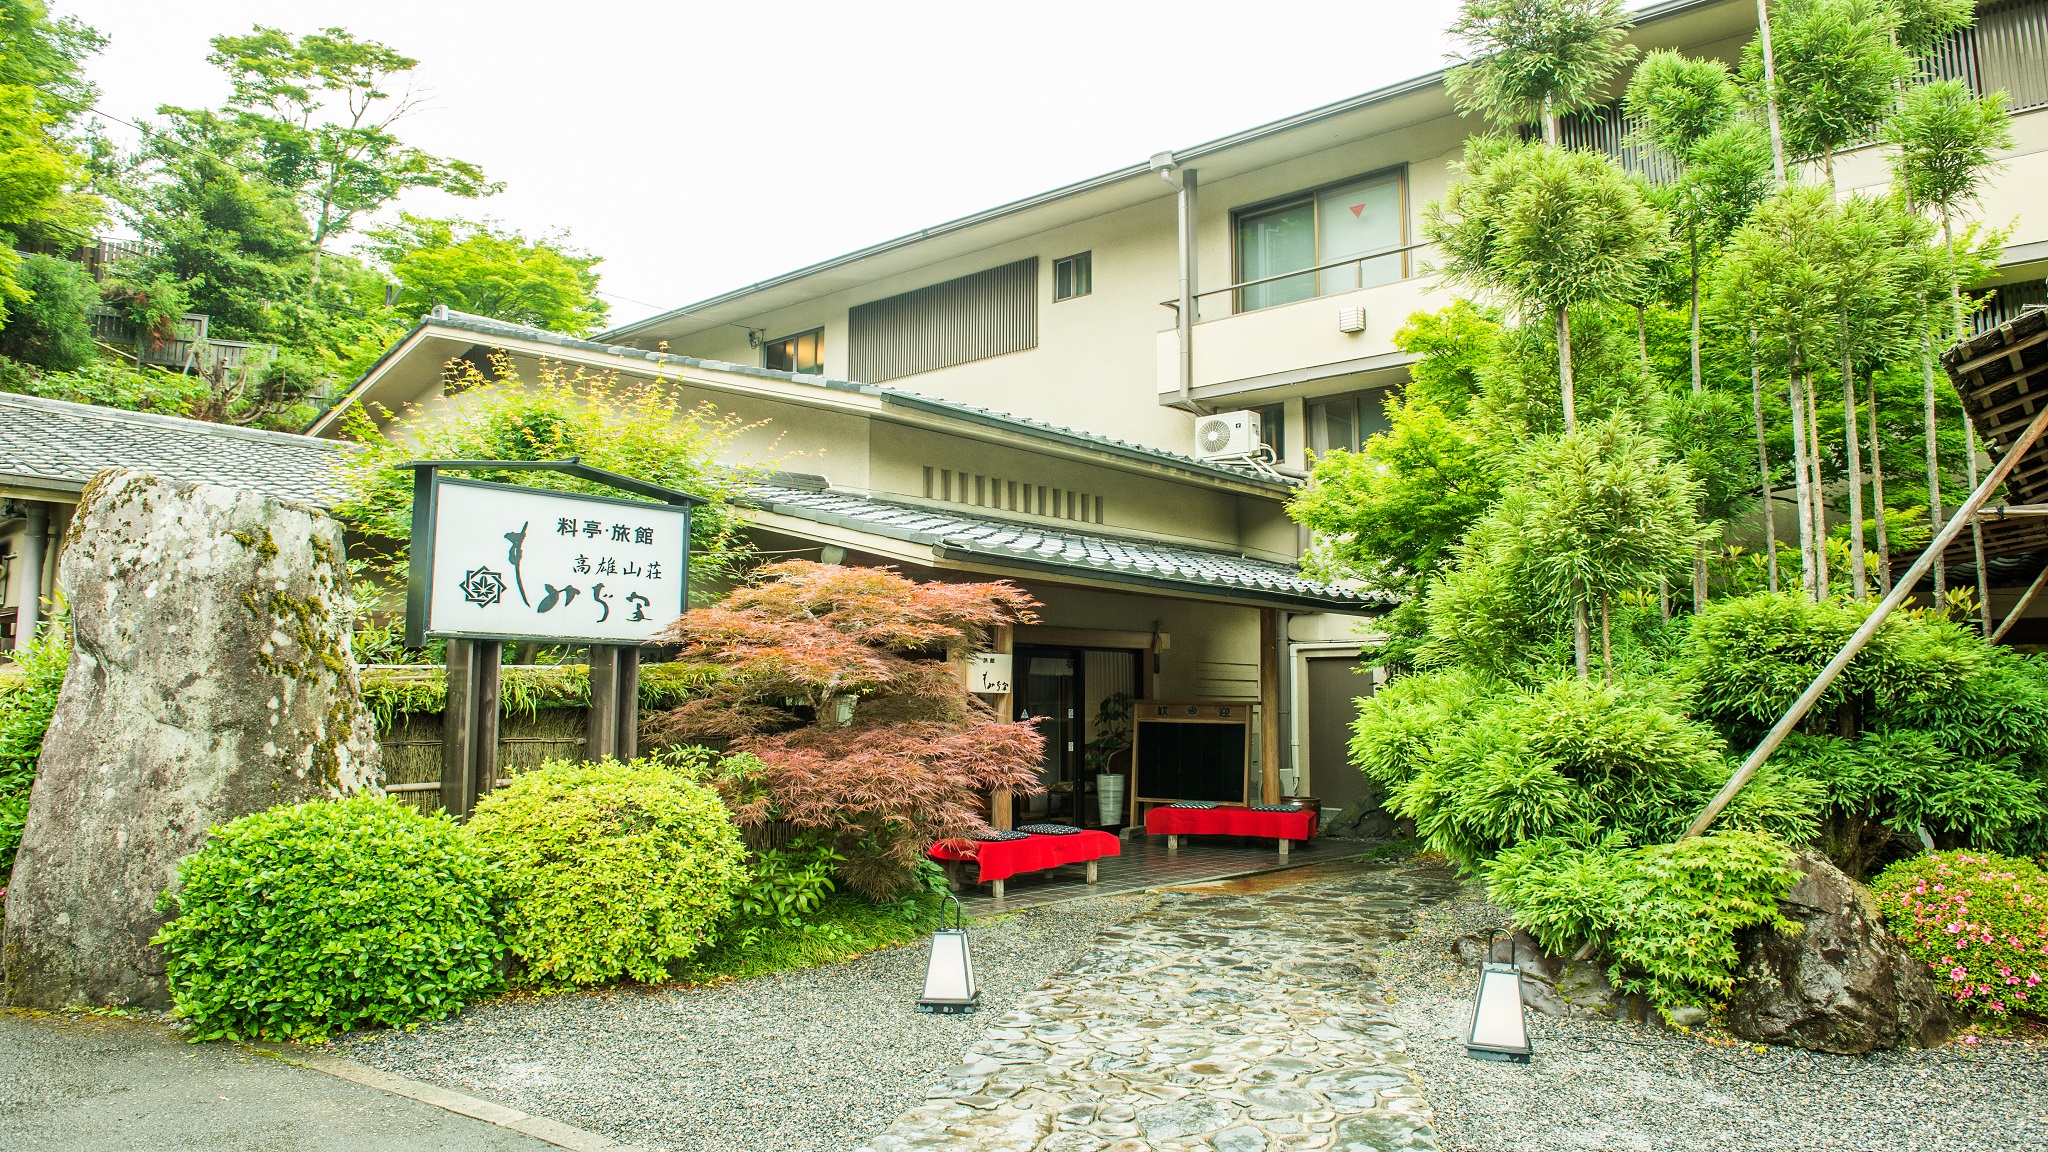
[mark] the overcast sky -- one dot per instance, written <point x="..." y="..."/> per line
<point x="700" y="147"/>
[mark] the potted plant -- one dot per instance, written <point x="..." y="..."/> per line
<point x="1107" y="753"/>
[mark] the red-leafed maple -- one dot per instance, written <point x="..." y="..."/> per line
<point x="838" y="680"/>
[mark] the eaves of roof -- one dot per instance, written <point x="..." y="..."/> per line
<point x="1647" y="14"/>
<point x="929" y="406"/>
<point x="1101" y="557"/>
<point x="57" y="446"/>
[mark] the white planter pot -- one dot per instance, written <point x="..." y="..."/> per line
<point x="1109" y="798"/>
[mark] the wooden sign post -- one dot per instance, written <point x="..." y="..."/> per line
<point x="494" y="563"/>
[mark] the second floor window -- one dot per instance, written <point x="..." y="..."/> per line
<point x="803" y="352"/>
<point x="1338" y="226"/>
<point x="1073" y="276"/>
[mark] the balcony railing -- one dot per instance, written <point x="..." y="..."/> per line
<point x="1325" y="285"/>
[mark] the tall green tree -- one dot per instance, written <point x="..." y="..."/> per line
<point x="324" y="107"/>
<point x="1680" y="102"/>
<point x="491" y="272"/>
<point x="43" y="192"/>
<point x="1838" y="68"/>
<point x="1536" y="60"/>
<point x="1600" y="513"/>
<point x="1944" y="140"/>
<point x="1549" y="230"/>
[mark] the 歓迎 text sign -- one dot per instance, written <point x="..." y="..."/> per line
<point x="526" y="563"/>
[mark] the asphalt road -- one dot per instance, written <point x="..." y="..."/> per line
<point x="83" y="1084"/>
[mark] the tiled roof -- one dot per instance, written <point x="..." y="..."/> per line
<point x="59" y="445"/>
<point x="974" y="414"/>
<point x="1096" y="555"/>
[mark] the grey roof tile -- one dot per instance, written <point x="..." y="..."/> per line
<point x="65" y="443"/>
<point x="1113" y="558"/>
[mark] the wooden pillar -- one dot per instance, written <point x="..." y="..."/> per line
<point x="614" y="726"/>
<point x="1269" y="705"/>
<point x="1002" y="806"/>
<point x="469" y="725"/>
<point x="602" y="735"/>
<point x="626" y="732"/>
<point x="486" y="656"/>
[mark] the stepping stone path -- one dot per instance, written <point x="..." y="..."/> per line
<point x="1228" y="1022"/>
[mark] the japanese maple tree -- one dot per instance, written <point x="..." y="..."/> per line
<point x="840" y="681"/>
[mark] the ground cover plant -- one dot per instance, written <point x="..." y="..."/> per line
<point x="608" y="870"/>
<point x="312" y="919"/>
<point x="1978" y="920"/>
<point x="838" y="685"/>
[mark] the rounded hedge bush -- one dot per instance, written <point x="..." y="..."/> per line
<point x="609" y="869"/>
<point x="1979" y="920"/>
<point x="313" y="918"/>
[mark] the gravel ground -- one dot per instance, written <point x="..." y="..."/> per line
<point x="1603" y="1086"/>
<point x="814" y="1059"/>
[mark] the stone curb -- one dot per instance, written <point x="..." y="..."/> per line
<point x="539" y="1127"/>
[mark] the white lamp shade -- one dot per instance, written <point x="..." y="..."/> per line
<point x="1498" y="1030"/>
<point x="949" y="977"/>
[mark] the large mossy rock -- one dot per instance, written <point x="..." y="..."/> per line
<point x="1842" y="984"/>
<point x="211" y="677"/>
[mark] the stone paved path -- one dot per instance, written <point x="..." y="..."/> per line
<point x="1232" y="1021"/>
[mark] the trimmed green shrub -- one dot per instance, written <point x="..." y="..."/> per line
<point x="609" y="869"/>
<point x="1534" y="763"/>
<point x="51" y="329"/>
<point x="1978" y="920"/>
<point x="313" y="918"/>
<point x="1665" y="915"/>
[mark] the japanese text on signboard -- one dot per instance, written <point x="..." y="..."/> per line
<point x="523" y="562"/>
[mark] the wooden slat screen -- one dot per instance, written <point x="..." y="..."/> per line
<point x="986" y="314"/>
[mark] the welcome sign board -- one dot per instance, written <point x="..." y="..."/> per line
<point x="516" y="563"/>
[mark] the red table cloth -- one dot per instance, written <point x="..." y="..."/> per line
<point x="1296" y="825"/>
<point x="1002" y="859"/>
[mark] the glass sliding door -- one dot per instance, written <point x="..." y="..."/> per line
<point x="1272" y="242"/>
<point x="1358" y="220"/>
<point x="1352" y="221"/>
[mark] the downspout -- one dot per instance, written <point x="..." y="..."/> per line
<point x="1183" y="181"/>
<point x="33" y="549"/>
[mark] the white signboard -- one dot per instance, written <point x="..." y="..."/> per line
<point x="989" y="673"/>
<point x="523" y="563"/>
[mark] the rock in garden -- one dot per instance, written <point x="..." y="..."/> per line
<point x="1842" y="984"/>
<point x="211" y="677"/>
<point x="1362" y="819"/>
<point x="1553" y="985"/>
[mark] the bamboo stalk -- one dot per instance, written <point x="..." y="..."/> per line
<point x="1801" y="480"/>
<point x="1884" y="551"/>
<point x="1859" y="569"/>
<point x="1763" y="462"/>
<point x="1862" y="636"/>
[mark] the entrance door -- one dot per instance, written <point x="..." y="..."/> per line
<point x="1334" y="685"/>
<point x="1048" y="691"/>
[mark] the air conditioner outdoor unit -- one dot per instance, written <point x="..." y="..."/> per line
<point x="1227" y="435"/>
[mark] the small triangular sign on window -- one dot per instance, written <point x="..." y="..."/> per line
<point x="1358" y="209"/>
